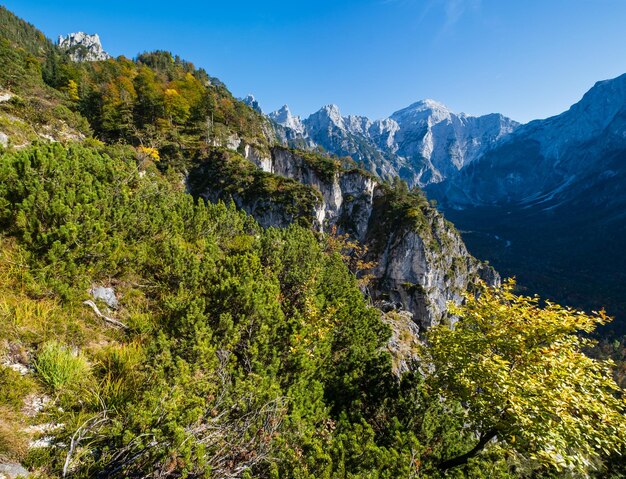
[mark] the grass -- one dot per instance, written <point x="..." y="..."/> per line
<point x="13" y="442"/>
<point x="59" y="367"/>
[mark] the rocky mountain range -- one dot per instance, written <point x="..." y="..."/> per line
<point x="424" y="143"/>
<point x="548" y="162"/>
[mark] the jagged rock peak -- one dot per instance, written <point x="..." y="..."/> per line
<point x="328" y="116"/>
<point x="83" y="47"/>
<point x="283" y="117"/>
<point x="332" y="111"/>
<point x="252" y="103"/>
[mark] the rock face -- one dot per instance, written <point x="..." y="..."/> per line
<point x="423" y="143"/>
<point x="404" y="344"/>
<point x="83" y="47"/>
<point x="420" y="259"/>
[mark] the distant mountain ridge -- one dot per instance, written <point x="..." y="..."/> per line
<point x="424" y="143"/>
<point x="547" y="161"/>
<point x="548" y="202"/>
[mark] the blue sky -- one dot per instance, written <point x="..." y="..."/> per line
<point x="526" y="59"/>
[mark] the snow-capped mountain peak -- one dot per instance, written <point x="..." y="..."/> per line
<point x="429" y="104"/>
<point x="427" y="110"/>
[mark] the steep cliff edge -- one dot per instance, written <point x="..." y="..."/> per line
<point x="420" y="260"/>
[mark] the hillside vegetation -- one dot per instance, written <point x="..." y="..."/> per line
<point x="234" y="351"/>
<point x="244" y="349"/>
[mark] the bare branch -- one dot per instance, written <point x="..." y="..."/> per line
<point x="115" y="322"/>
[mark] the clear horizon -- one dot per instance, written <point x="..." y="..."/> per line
<point x="373" y="57"/>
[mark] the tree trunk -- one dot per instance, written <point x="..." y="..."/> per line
<point x="463" y="458"/>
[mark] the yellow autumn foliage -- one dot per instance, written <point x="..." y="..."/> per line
<point x="149" y="152"/>
<point x="519" y="368"/>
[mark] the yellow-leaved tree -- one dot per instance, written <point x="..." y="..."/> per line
<point x="518" y="368"/>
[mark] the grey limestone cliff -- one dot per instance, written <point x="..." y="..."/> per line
<point x="420" y="260"/>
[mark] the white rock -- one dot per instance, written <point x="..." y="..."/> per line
<point x="83" y="47"/>
<point x="105" y="294"/>
<point x="12" y="470"/>
<point x="18" y="367"/>
<point x="233" y="142"/>
<point x="34" y="404"/>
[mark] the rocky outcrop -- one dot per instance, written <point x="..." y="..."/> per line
<point x="13" y="470"/>
<point x="345" y="194"/>
<point x="423" y="267"/>
<point x="83" y="47"/>
<point x="420" y="259"/>
<point x="404" y="344"/>
<point x="273" y="200"/>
